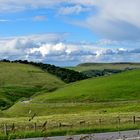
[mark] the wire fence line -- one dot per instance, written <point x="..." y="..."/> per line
<point x="117" y="121"/>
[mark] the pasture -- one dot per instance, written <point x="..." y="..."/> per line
<point x="108" y="103"/>
<point x="52" y="119"/>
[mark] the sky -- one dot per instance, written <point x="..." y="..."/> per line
<point x="69" y="32"/>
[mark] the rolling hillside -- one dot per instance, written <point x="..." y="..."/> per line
<point x="111" y="94"/>
<point x="124" y="86"/>
<point x="22" y="80"/>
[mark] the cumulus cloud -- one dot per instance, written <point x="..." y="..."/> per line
<point x="17" y="47"/>
<point x="82" y="52"/>
<point x="50" y="48"/>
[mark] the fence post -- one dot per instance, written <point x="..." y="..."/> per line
<point x="100" y="121"/>
<point x="44" y="126"/>
<point x="5" y="129"/>
<point x="13" y="128"/>
<point x="35" y="126"/>
<point x="134" y="119"/>
<point x="119" y="120"/>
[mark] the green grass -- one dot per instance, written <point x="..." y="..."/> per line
<point x="102" y="66"/>
<point x="112" y="94"/>
<point x="103" y="98"/>
<point x="67" y="132"/>
<point x="45" y="109"/>
<point x="109" y="123"/>
<point x="119" y="87"/>
<point x="20" y="80"/>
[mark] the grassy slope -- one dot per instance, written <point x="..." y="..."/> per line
<point x="19" y="80"/>
<point x="112" y="94"/>
<point x="124" y="86"/>
<point x="101" y="66"/>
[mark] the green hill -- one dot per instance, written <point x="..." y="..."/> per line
<point x="124" y="86"/>
<point x="102" y="66"/>
<point x="22" y="80"/>
<point x="111" y="94"/>
<point x="64" y="74"/>
<point x="106" y="98"/>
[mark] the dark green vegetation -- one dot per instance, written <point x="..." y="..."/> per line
<point x="105" y="72"/>
<point x="20" y="80"/>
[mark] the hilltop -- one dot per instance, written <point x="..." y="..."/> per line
<point x="23" y="80"/>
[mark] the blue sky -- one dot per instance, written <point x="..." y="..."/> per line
<point x="70" y="32"/>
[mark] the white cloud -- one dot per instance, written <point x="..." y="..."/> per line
<point x="112" y="19"/>
<point x="45" y="48"/>
<point x="20" y="5"/>
<point x="115" y="19"/>
<point x="49" y="49"/>
<point x="76" y="9"/>
<point x="77" y="53"/>
<point x="123" y="10"/>
<point x="17" y="47"/>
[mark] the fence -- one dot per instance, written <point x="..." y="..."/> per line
<point x="117" y="121"/>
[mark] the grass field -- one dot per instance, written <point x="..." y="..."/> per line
<point x="19" y="80"/>
<point x="99" y="104"/>
<point x="111" y="94"/>
<point x="75" y="119"/>
<point x="119" y="87"/>
<point x="46" y="109"/>
<point x="101" y="66"/>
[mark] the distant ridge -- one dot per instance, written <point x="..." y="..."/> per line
<point x="104" y="69"/>
<point x="113" y="63"/>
